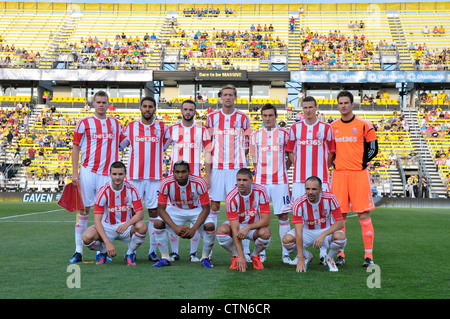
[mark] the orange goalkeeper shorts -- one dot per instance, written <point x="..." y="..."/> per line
<point x="353" y="190"/>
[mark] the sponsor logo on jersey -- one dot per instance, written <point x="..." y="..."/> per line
<point x="103" y="136"/>
<point x="147" y="139"/>
<point x="310" y="142"/>
<point x="119" y="209"/>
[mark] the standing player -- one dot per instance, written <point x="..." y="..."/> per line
<point x="188" y="141"/>
<point x="114" y="218"/>
<point x="97" y="138"/>
<point x="311" y="148"/>
<point x="268" y="152"/>
<point x="145" y="164"/>
<point x="356" y="146"/>
<point x="229" y="130"/>
<point x="189" y="197"/>
<point x="248" y="212"/>
<point x="318" y="221"/>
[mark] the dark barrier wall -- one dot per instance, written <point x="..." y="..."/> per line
<point x="379" y="201"/>
<point x="29" y="197"/>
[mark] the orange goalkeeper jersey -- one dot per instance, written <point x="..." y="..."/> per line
<point x="352" y="139"/>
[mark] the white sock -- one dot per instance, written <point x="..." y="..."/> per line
<point x="194" y="242"/>
<point x="174" y="241"/>
<point x="97" y="245"/>
<point x="213" y="214"/>
<point x="161" y="239"/>
<point x="227" y="242"/>
<point x="136" y="241"/>
<point x="151" y="237"/>
<point x="246" y="246"/>
<point x="260" y="245"/>
<point x="208" y="243"/>
<point x="80" y="227"/>
<point x="283" y="229"/>
<point x="291" y="247"/>
<point x="336" y="247"/>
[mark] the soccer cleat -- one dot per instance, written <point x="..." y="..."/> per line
<point x="322" y="261"/>
<point x="233" y="263"/>
<point x="308" y="260"/>
<point x="248" y="257"/>
<point x="286" y="259"/>
<point x="294" y="261"/>
<point x="262" y="256"/>
<point x="77" y="257"/>
<point x="206" y="263"/>
<point x="340" y="261"/>
<point x="368" y="262"/>
<point x="193" y="257"/>
<point x="101" y="259"/>
<point x="331" y="265"/>
<point x="174" y="256"/>
<point x="152" y="257"/>
<point x="107" y="258"/>
<point x="257" y="264"/>
<point x="162" y="263"/>
<point x="130" y="260"/>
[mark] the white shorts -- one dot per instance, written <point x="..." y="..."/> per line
<point x="298" y="189"/>
<point x="148" y="190"/>
<point x="280" y="196"/>
<point x="310" y="235"/>
<point x="183" y="216"/>
<point x="112" y="235"/>
<point x="90" y="184"/>
<point x="250" y="233"/>
<point x="222" y="182"/>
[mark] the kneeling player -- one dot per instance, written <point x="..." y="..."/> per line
<point x="114" y="218"/>
<point x="189" y="197"/>
<point x="318" y="221"/>
<point x="248" y="211"/>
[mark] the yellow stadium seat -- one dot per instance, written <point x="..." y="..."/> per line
<point x="277" y="101"/>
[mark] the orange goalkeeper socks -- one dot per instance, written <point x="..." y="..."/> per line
<point x="367" y="234"/>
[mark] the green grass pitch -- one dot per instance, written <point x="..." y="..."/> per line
<point x="410" y="252"/>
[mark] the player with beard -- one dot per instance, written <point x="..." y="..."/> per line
<point x="189" y="140"/>
<point x="145" y="137"/>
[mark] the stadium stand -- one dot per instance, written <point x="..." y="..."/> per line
<point x="260" y="39"/>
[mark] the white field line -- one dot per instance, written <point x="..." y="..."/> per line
<point x="30" y="214"/>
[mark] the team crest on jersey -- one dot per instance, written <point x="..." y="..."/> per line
<point x="236" y="124"/>
<point x="319" y="135"/>
<point x="193" y="195"/>
<point x="126" y="200"/>
<point x="354" y="130"/>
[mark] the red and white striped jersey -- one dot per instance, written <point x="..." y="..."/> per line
<point x="187" y="144"/>
<point x="230" y="136"/>
<point x="99" y="142"/>
<point x="116" y="205"/>
<point x="147" y="144"/>
<point x="269" y="149"/>
<point x="320" y="215"/>
<point x="192" y="195"/>
<point x="247" y="209"/>
<point x="311" y="145"/>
